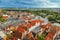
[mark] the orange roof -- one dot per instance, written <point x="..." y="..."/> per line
<point x="50" y="36"/>
<point x="30" y="35"/>
<point x="31" y="24"/>
<point x="21" y="28"/>
<point x="28" y="25"/>
<point x="5" y="16"/>
<point x="34" y="22"/>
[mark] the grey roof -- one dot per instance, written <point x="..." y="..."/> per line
<point x="36" y="30"/>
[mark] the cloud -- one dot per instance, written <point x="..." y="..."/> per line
<point x="30" y="3"/>
<point x="49" y="4"/>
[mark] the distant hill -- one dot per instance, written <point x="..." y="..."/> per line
<point x="34" y="9"/>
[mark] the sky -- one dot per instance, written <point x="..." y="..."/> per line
<point x="30" y="3"/>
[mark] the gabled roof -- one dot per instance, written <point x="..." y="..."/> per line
<point x="21" y="28"/>
<point x="34" y="22"/>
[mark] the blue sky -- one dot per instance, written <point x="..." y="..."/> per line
<point x="30" y="3"/>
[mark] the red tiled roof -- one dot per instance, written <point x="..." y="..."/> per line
<point x="34" y="22"/>
<point x="29" y="36"/>
<point x="21" y="28"/>
<point x="5" y="16"/>
<point x="31" y="24"/>
<point x="50" y="36"/>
